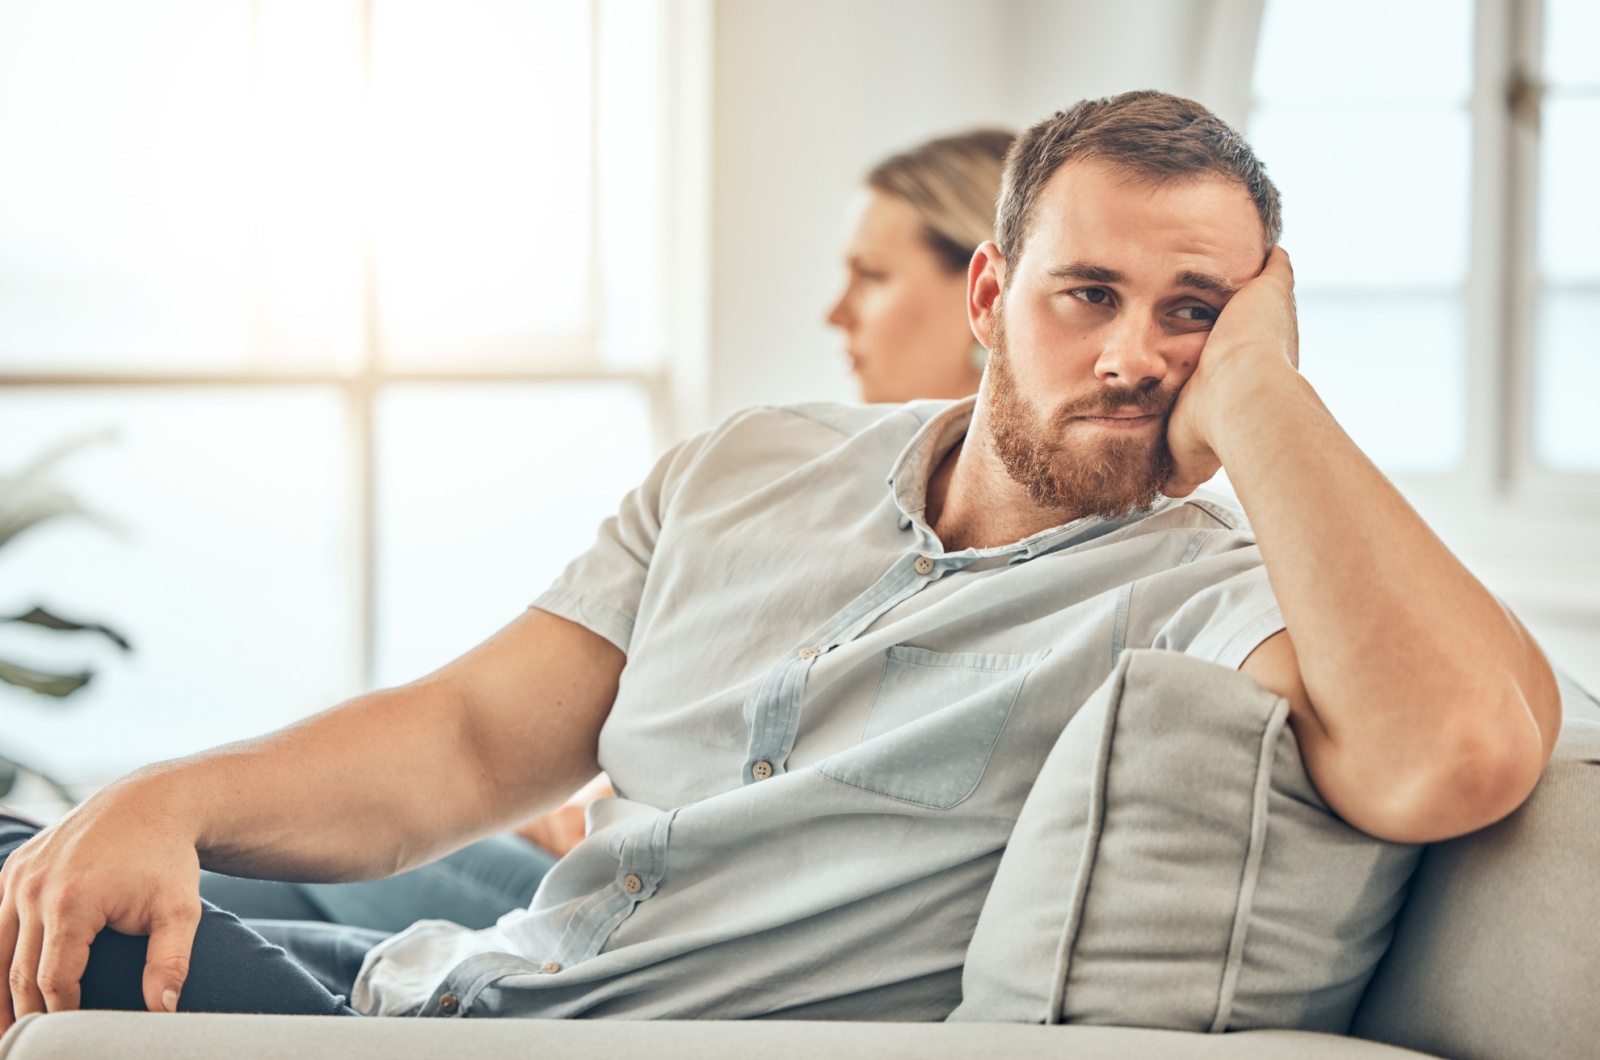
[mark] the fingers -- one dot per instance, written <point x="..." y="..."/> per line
<point x="25" y="996"/>
<point x="166" y="962"/>
<point x="61" y="965"/>
<point x="1278" y="264"/>
<point x="8" y="946"/>
<point x="569" y="829"/>
<point x="1278" y="275"/>
<point x="1181" y="485"/>
<point x="537" y="832"/>
<point x="1294" y="310"/>
<point x="47" y="958"/>
<point x="56" y="894"/>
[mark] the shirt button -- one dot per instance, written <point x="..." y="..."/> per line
<point x="810" y="653"/>
<point x="552" y="967"/>
<point x="630" y="883"/>
<point x="761" y="770"/>
<point x="924" y="565"/>
<point x="448" y="1003"/>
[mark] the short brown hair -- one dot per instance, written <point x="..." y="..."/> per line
<point x="953" y="183"/>
<point x="1154" y="135"/>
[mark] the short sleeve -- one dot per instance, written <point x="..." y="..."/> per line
<point x="601" y="589"/>
<point x="1226" y="620"/>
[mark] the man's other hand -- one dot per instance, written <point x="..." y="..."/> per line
<point x="1255" y="337"/>
<point x="114" y="862"/>
<point x="565" y="826"/>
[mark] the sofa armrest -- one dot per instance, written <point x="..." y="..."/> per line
<point x="1497" y="951"/>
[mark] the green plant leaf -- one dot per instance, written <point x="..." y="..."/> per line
<point x="29" y="498"/>
<point x="46" y="461"/>
<point x="10" y="772"/>
<point x="23" y="508"/>
<point x="40" y="617"/>
<point x="49" y="684"/>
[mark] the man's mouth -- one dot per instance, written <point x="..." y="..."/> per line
<point x="1123" y="419"/>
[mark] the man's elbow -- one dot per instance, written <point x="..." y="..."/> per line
<point x="1491" y="774"/>
<point x="1471" y="778"/>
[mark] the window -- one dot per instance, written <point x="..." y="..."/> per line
<point x="1561" y="106"/>
<point x="371" y="294"/>
<point x="1374" y="161"/>
<point x="1436" y="159"/>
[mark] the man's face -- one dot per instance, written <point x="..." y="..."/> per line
<point x="1102" y="322"/>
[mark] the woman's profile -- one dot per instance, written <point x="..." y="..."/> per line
<point x="904" y="305"/>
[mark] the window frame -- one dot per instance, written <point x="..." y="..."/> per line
<point x="1518" y="109"/>
<point x="673" y="383"/>
<point x="1528" y="531"/>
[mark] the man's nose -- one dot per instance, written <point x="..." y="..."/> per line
<point x="1131" y="356"/>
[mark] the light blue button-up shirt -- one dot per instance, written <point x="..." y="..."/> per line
<point x="825" y="729"/>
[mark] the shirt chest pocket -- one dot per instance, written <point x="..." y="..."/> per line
<point x="934" y="723"/>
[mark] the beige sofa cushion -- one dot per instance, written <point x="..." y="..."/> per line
<point x="142" y="1036"/>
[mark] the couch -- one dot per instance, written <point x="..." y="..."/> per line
<point x="1495" y="955"/>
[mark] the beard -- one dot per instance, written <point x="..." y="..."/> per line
<point x="1099" y="475"/>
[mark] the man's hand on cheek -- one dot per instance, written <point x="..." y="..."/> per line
<point x="1253" y="342"/>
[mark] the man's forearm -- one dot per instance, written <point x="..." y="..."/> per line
<point x="395" y="778"/>
<point x="1417" y="677"/>
<point x="380" y="783"/>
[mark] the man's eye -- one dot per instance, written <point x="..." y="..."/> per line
<point x="1093" y="295"/>
<point x="1199" y="313"/>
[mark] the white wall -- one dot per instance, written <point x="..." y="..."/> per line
<point x="807" y="97"/>
<point x="1063" y="52"/>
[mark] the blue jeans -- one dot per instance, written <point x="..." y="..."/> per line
<point x="275" y="967"/>
<point x="474" y="887"/>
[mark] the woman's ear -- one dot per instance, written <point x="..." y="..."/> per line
<point x="985" y="278"/>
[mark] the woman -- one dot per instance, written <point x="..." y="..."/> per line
<point x="904" y="306"/>
<point x="904" y="313"/>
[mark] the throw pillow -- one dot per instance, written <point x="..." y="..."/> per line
<point x="1174" y="868"/>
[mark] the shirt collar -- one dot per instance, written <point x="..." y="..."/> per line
<point x="909" y="475"/>
<point x="908" y="478"/>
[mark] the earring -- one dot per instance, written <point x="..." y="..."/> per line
<point x="979" y="357"/>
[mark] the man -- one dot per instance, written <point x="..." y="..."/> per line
<point x="822" y="698"/>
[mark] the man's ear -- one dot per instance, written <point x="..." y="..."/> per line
<point x="986" y="275"/>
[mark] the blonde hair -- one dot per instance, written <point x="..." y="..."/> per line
<point x="954" y="184"/>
